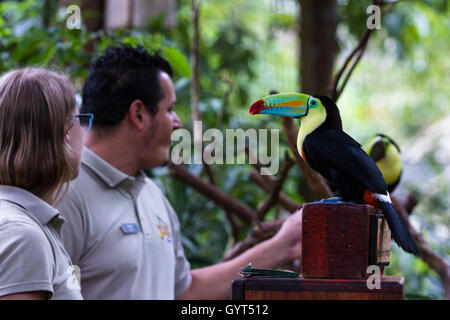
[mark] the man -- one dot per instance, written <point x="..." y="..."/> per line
<point x="115" y="214"/>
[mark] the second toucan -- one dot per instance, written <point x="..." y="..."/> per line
<point x="386" y="154"/>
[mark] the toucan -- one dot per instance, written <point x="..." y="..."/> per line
<point x="386" y="154"/>
<point x="339" y="158"/>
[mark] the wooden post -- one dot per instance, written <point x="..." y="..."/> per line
<point x="339" y="243"/>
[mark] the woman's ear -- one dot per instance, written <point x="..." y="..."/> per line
<point x="67" y="133"/>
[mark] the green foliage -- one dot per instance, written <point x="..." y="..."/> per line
<point x="178" y="61"/>
<point x="248" y="48"/>
<point x="26" y="41"/>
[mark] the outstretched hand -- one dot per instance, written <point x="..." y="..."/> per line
<point x="288" y="238"/>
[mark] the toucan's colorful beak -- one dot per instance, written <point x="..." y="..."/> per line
<point x="292" y="105"/>
<point x="257" y="106"/>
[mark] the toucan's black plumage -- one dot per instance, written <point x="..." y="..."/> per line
<point x="340" y="159"/>
<point x="336" y="155"/>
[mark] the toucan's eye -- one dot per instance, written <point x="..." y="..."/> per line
<point x="313" y="103"/>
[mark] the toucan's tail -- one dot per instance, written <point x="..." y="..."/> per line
<point x="399" y="232"/>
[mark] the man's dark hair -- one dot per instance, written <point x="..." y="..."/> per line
<point x="117" y="78"/>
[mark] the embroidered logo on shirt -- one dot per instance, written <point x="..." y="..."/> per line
<point x="164" y="231"/>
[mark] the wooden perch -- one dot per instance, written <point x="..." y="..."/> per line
<point x="436" y="263"/>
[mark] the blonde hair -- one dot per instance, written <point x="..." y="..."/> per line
<point x="35" y="105"/>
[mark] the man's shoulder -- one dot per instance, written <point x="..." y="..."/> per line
<point x="157" y="193"/>
<point x="153" y="186"/>
<point x="82" y="190"/>
<point x="87" y="175"/>
<point x="86" y="183"/>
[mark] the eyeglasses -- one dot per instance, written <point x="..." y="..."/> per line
<point x="85" y="120"/>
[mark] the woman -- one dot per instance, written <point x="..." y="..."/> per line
<point x="41" y="139"/>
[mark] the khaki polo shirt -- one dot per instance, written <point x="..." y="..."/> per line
<point x="123" y="234"/>
<point x="32" y="257"/>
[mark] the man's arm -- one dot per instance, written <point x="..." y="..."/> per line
<point x="214" y="282"/>
<point x="36" y="295"/>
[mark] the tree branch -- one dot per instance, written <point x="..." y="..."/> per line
<point x="283" y="199"/>
<point x="225" y="101"/>
<point x="258" y="233"/>
<point x="235" y="227"/>
<point x="358" y="53"/>
<point x="213" y="193"/>
<point x="277" y="186"/>
<point x="258" y="166"/>
<point x="194" y="61"/>
<point x="265" y="182"/>
<point x="359" y="50"/>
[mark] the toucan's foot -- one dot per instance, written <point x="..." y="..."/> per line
<point x="330" y="200"/>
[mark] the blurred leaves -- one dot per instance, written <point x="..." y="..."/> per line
<point x="178" y="61"/>
<point x="250" y="47"/>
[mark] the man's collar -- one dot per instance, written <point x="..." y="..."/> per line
<point x="40" y="209"/>
<point x="111" y="176"/>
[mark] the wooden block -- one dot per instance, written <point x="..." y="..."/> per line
<point x="339" y="241"/>
<point x="391" y="288"/>
<point x="380" y="241"/>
